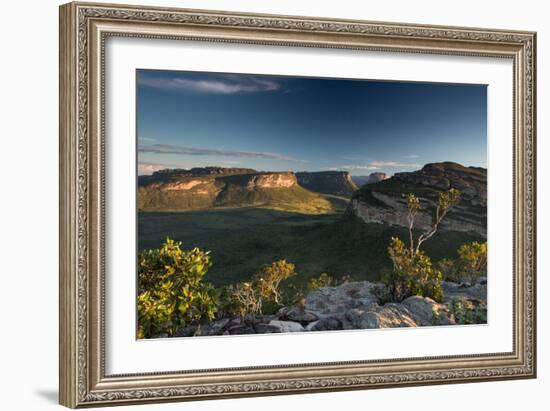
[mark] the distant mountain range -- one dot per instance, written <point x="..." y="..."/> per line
<point x="371" y="178"/>
<point x="374" y="198"/>
<point x="203" y="188"/>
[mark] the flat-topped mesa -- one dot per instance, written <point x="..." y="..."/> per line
<point x="327" y="182"/>
<point x="220" y="171"/>
<point x="175" y="174"/>
<point x="376" y="177"/>
<point x="211" y="187"/>
<point x="371" y="178"/>
<point x="272" y="180"/>
<point x="385" y="201"/>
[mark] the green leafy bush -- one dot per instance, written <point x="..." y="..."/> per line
<point x="412" y="274"/>
<point x="449" y="269"/>
<point x="470" y="265"/>
<point x="171" y="293"/>
<point x="324" y="280"/>
<point x="464" y="311"/>
<point x="472" y="261"/>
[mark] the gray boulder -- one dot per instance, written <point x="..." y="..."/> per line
<point x="390" y="315"/>
<point x="336" y="301"/>
<point x="241" y="329"/>
<point x="262" y="328"/>
<point x="327" y="324"/>
<point x="287" y="326"/>
<point x="297" y="314"/>
<point x="213" y="327"/>
<point x="426" y="311"/>
<point x="454" y="290"/>
<point x="188" y="331"/>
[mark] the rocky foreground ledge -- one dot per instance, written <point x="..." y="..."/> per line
<point x="349" y="306"/>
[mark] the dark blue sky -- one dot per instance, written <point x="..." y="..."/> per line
<point x="189" y="119"/>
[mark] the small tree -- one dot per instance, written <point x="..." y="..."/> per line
<point x="264" y="287"/>
<point x="447" y="200"/>
<point x="472" y="261"/>
<point x="247" y="297"/>
<point x="267" y="281"/>
<point x="413" y="273"/>
<point x="171" y="293"/>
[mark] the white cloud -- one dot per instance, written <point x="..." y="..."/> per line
<point x="378" y="165"/>
<point x="224" y="84"/>
<point x="194" y="151"/>
<point x="359" y="167"/>
<point x="381" y="164"/>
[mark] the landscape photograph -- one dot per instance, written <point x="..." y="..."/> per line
<point x="275" y="204"/>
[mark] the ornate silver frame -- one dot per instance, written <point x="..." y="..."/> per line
<point x="83" y="30"/>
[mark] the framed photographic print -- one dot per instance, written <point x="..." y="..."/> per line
<point x="259" y="204"/>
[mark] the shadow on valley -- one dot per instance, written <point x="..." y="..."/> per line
<point x="242" y="240"/>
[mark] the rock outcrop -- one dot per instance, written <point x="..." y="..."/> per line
<point x="349" y="306"/>
<point x="327" y="182"/>
<point x="384" y="202"/>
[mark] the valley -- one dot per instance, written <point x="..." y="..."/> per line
<point x="247" y="219"/>
<point x="241" y="240"/>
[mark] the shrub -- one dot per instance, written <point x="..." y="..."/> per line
<point x="226" y="301"/>
<point x="247" y="297"/>
<point x="412" y="274"/>
<point x="472" y="261"/>
<point x="449" y="269"/>
<point x="171" y="293"/>
<point x="465" y="311"/>
<point x="264" y="289"/>
<point x="326" y="280"/>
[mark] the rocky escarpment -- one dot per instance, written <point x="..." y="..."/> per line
<point x="328" y="182"/>
<point x="371" y="178"/>
<point x="348" y="306"/>
<point x="203" y="188"/>
<point x="384" y="202"/>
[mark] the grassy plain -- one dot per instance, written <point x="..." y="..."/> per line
<point x="242" y="240"/>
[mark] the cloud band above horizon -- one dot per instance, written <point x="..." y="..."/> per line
<point x="193" y="151"/>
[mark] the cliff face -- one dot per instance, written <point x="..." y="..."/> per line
<point x="371" y="178"/>
<point x="203" y="188"/>
<point x="328" y="182"/>
<point x="272" y="180"/>
<point x="384" y="202"/>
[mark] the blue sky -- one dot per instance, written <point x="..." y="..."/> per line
<point x="277" y="123"/>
